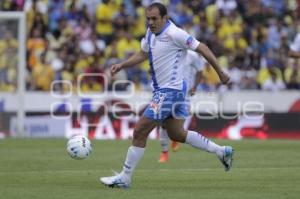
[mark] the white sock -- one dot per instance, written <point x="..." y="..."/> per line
<point x="164" y="139"/>
<point x="199" y="141"/>
<point x="133" y="157"/>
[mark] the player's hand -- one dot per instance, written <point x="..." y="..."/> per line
<point x="224" y="78"/>
<point x="115" y="68"/>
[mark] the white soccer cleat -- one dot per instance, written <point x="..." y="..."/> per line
<point x="119" y="180"/>
<point x="227" y="157"/>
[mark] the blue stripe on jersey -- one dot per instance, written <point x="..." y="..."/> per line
<point x="184" y="87"/>
<point x="175" y="67"/>
<point x="155" y="84"/>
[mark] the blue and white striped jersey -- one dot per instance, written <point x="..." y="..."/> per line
<point x="167" y="55"/>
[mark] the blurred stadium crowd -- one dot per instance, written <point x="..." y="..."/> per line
<point x="68" y="38"/>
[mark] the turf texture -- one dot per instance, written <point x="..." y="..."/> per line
<point x="41" y="169"/>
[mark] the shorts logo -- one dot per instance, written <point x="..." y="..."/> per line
<point x="154" y="107"/>
<point x="157" y="102"/>
<point x="189" y="41"/>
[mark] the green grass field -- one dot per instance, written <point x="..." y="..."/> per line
<point x="42" y="169"/>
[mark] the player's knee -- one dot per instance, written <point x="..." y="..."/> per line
<point x="139" y="135"/>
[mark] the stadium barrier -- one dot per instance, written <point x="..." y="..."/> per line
<point x="233" y="115"/>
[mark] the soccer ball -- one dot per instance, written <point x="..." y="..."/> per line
<point x="79" y="147"/>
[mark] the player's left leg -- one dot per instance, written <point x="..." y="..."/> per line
<point x="176" y="132"/>
<point x="186" y="124"/>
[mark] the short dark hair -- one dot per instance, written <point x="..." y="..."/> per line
<point x="162" y="9"/>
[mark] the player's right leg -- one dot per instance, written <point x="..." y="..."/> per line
<point x="158" y="110"/>
<point x="134" y="154"/>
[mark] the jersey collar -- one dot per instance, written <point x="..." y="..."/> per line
<point x="168" y="23"/>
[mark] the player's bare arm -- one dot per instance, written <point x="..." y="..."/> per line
<point x="294" y="54"/>
<point x="136" y="58"/>
<point x="210" y="57"/>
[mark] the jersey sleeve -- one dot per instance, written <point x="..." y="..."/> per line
<point x="295" y="46"/>
<point x="184" y="40"/>
<point x="144" y="42"/>
<point x="144" y="45"/>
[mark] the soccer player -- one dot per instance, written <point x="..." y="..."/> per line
<point x="166" y="45"/>
<point x="295" y="47"/>
<point x="194" y="65"/>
